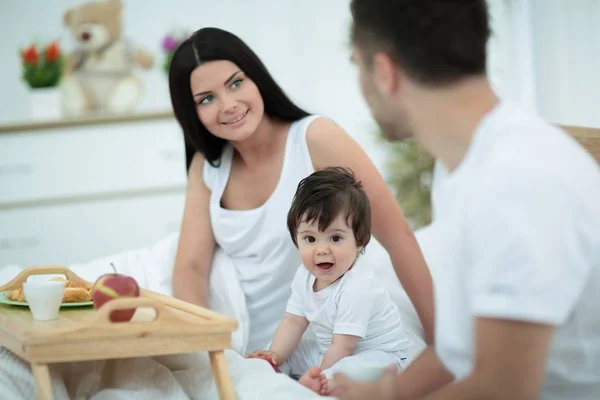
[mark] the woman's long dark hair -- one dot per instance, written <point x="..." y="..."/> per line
<point x="212" y="44"/>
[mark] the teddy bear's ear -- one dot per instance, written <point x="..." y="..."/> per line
<point x="67" y="18"/>
<point x="115" y="4"/>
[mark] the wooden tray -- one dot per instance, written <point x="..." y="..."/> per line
<point x="161" y="325"/>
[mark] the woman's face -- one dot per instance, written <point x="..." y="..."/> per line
<point x="228" y="103"/>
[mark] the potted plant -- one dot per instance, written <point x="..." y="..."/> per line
<point x="410" y="176"/>
<point x="42" y="69"/>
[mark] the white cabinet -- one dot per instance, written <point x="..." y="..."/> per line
<point x="72" y="193"/>
<point x="69" y="233"/>
<point x="67" y="162"/>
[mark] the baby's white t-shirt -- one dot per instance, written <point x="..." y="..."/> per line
<point x="353" y="305"/>
<point x="518" y="223"/>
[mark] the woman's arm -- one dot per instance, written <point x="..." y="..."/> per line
<point x="196" y="241"/>
<point x="341" y="346"/>
<point x="329" y="145"/>
<point x="287" y="336"/>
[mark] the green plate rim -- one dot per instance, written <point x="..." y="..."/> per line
<point x="4" y="300"/>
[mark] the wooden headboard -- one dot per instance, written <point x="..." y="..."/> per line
<point x="588" y="137"/>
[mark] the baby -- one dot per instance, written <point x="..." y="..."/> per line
<point x="353" y="320"/>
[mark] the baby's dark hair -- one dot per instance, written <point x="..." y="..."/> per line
<point x="324" y="195"/>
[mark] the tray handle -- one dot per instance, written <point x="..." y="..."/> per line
<point x="129" y="303"/>
<point x="164" y="321"/>
<point x="18" y="280"/>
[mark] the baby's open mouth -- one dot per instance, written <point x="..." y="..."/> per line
<point x="325" y="265"/>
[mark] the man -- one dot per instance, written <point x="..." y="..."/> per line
<point x="517" y="214"/>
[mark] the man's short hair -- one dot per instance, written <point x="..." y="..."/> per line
<point x="436" y="42"/>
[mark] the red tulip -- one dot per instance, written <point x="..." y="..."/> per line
<point x="52" y="52"/>
<point x="30" y="55"/>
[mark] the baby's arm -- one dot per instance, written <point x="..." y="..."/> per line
<point x="293" y="324"/>
<point x="354" y="311"/>
<point x="287" y="336"/>
<point x="341" y="346"/>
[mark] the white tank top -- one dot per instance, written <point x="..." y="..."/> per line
<point x="257" y="240"/>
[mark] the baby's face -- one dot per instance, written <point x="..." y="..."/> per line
<point x="327" y="254"/>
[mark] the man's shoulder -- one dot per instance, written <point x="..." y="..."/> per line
<point x="553" y="186"/>
<point x="533" y="155"/>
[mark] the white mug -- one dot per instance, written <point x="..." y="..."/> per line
<point x="44" y="298"/>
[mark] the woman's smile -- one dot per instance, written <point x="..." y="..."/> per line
<point x="236" y="121"/>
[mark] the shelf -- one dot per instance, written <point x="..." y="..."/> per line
<point x="97" y="119"/>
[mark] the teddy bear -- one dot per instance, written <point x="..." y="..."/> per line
<point x="100" y="74"/>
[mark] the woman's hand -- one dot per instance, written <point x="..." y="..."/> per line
<point x="265" y="354"/>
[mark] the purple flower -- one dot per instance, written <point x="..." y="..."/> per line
<point x="169" y="43"/>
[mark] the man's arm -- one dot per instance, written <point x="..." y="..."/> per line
<point x="510" y="362"/>
<point x="423" y="376"/>
<point x="516" y="264"/>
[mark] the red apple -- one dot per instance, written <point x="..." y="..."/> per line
<point x="113" y="286"/>
<point x="270" y="361"/>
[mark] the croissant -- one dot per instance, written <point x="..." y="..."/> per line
<point x="17" y="295"/>
<point x="76" y="295"/>
<point x="70" y="284"/>
<point x="74" y="292"/>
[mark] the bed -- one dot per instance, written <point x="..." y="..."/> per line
<point x="189" y="376"/>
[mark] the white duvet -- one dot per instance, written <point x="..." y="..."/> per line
<point x="180" y="376"/>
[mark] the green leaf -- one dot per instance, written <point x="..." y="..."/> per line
<point x="43" y="74"/>
<point x="410" y="170"/>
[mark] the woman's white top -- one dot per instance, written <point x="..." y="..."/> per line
<point x="257" y="240"/>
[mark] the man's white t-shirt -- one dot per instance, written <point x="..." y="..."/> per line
<point x="518" y="223"/>
<point x="353" y="305"/>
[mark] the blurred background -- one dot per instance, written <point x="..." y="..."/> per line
<point x="88" y="184"/>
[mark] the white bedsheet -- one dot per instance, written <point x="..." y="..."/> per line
<point x="183" y="376"/>
<point x="168" y="377"/>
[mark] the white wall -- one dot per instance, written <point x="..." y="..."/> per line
<point x="566" y="37"/>
<point x="546" y="53"/>
<point x="547" y="57"/>
<point x="303" y="43"/>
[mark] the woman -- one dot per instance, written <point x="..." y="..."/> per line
<point x="247" y="148"/>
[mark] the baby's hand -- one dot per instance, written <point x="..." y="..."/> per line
<point x="265" y="354"/>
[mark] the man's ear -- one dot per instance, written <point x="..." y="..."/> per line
<point x="386" y="73"/>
